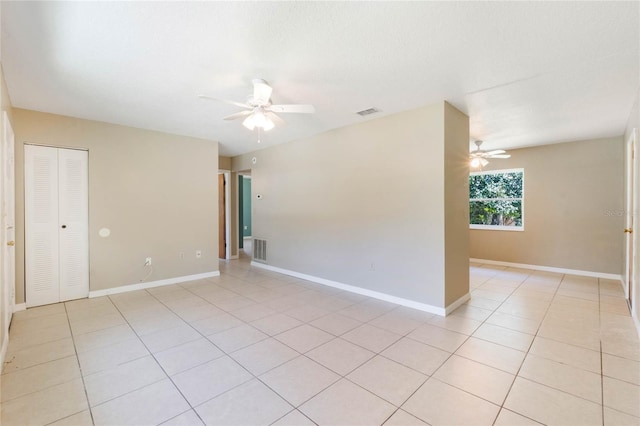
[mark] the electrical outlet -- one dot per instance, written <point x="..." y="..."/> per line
<point x="198" y="254"/>
<point x="147" y="261"/>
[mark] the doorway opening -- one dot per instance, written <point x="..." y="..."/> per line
<point x="224" y="215"/>
<point x="245" y="230"/>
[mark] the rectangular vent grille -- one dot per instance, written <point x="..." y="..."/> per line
<point x="367" y="111"/>
<point x="260" y="250"/>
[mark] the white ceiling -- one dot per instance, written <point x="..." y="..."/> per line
<point x="526" y="73"/>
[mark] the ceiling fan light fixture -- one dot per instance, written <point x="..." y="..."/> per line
<point x="267" y="124"/>
<point x="259" y="111"/>
<point x="260" y="120"/>
<point x="479" y="157"/>
<point x="249" y="122"/>
<point x="478" y="162"/>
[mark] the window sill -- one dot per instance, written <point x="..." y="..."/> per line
<point x="497" y="228"/>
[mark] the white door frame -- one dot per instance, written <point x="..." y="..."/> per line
<point x="240" y="212"/>
<point x="7" y="226"/>
<point x="67" y="229"/>
<point x="631" y="218"/>
<point x="227" y="211"/>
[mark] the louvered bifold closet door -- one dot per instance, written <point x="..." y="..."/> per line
<point x="41" y="225"/>
<point x="74" y="220"/>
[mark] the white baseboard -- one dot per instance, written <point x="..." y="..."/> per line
<point x="235" y="256"/>
<point x="19" y="307"/>
<point x="455" y="305"/>
<point x="358" y="290"/>
<point x="151" y="284"/>
<point x="549" y="269"/>
<point x="3" y="350"/>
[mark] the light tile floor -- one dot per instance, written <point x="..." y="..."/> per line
<point x="256" y="348"/>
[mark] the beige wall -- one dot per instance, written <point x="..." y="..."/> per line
<point x="224" y="163"/>
<point x="365" y="205"/>
<point x="456" y="197"/>
<point x="156" y="192"/>
<point x="573" y="199"/>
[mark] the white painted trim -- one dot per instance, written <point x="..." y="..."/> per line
<point x="151" y="284"/>
<point x="498" y="171"/>
<point x="496" y="228"/>
<point x="227" y="214"/>
<point x="19" y="307"/>
<point x="549" y="269"/>
<point x="455" y="305"/>
<point x="637" y="323"/>
<point x="631" y="273"/>
<point x="235" y="256"/>
<point x="358" y="290"/>
<point x="5" y="345"/>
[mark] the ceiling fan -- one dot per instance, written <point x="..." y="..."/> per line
<point x="259" y="111"/>
<point x="479" y="157"/>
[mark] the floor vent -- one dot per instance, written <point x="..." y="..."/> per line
<point x="259" y="250"/>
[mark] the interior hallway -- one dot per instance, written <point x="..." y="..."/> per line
<point x="256" y="347"/>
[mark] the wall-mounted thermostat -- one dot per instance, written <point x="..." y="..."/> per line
<point x="254" y="160"/>
<point x="259" y="196"/>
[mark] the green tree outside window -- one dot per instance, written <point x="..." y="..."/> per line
<point x="495" y="198"/>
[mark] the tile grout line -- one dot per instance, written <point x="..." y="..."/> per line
<point x="451" y="354"/>
<point x="75" y="350"/>
<point x="529" y="349"/>
<point x="155" y="359"/>
<point x="312" y="360"/>
<point x="44" y="363"/>
<point x="516" y="375"/>
<point x="559" y="390"/>
<point x="501" y="406"/>
<point x="294" y="408"/>
<point x="334" y="337"/>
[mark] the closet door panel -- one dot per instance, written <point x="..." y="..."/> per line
<point x="74" y="223"/>
<point x="41" y="225"/>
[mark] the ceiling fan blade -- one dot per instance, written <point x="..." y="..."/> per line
<point x="302" y="109"/>
<point x="237" y="115"/>
<point x="261" y="91"/>
<point x="499" y="156"/>
<point x="496" y="151"/>
<point x="238" y="104"/>
<point x="277" y="120"/>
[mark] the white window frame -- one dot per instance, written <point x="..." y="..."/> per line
<point x="500" y="227"/>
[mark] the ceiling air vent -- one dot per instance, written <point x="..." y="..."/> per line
<point x="367" y="111"/>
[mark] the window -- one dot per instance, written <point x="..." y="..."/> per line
<point x="495" y="200"/>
